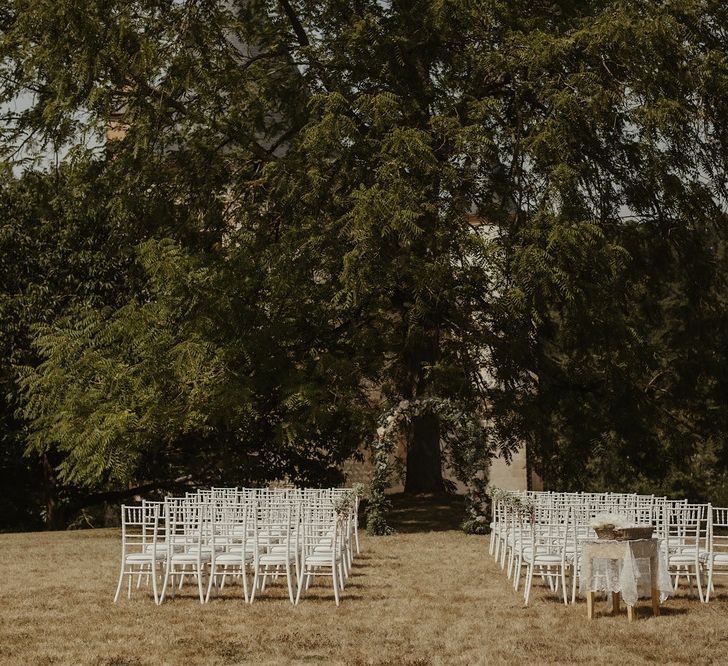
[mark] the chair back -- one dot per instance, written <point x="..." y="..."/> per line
<point x="139" y="529"/>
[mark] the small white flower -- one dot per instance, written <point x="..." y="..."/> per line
<point x="403" y="404"/>
<point x="609" y="520"/>
<point x="380" y="432"/>
<point x="390" y="419"/>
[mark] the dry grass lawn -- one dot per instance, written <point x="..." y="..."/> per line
<point x="429" y="595"/>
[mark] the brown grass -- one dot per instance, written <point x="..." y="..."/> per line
<point x="417" y="598"/>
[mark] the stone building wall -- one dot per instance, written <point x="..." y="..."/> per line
<point x="510" y="476"/>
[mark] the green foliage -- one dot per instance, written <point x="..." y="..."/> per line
<point x="467" y="453"/>
<point x="520" y="205"/>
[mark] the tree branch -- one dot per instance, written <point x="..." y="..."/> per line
<point x="295" y="23"/>
<point x="119" y="495"/>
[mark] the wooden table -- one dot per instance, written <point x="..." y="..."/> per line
<point x="617" y="550"/>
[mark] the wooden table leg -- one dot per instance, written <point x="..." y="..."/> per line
<point x="615" y="602"/>
<point x="654" y="592"/>
<point x="630" y="613"/>
<point x="590" y="605"/>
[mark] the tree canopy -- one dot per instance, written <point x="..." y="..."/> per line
<point x="312" y="210"/>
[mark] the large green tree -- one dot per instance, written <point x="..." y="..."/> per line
<point x="341" y="204"/>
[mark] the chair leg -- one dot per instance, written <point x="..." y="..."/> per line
<point x="121" y="582"/>
<point x="698" y="583"/>
<point x="301" y="580"/>
<point x="199" y="583"/>
<point x="709" y="586"/>
<point x="164" y="584"/>
<point x="336" y="583"/>
<point x="289" y="582"/>
<point x="549" y="579"/>
<point x="153" y="567"/>
<point x="529" y="581"/>
<point x="244" y="574"/>
<point x="212" y="578"/>
<point x="256" y="581"/>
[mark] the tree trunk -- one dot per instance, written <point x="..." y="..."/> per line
<point x="424" y="463"/>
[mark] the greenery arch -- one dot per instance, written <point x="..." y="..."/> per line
<point x="467" y="451"/>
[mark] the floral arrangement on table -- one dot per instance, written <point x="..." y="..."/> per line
<point x="618" y="526"/>
<point x="467" y="452"/>
<point x="609" y="520"/>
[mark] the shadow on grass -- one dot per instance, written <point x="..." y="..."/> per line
<point x="646" y="611"/>
<point x="426" y="513"/>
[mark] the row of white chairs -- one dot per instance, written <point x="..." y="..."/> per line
<point x="543" y="532"/>
<point x="252" y="536"/>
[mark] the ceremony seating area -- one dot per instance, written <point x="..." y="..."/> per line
<point x="247" y="536"/>
<point x="404" y="603"/>
<point x="543" y="534"/>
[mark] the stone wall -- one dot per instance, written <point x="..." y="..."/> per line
<point x="511" y="476"/>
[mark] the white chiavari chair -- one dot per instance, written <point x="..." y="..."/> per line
<point x="686" y="535"/>
<point x="186" y="528"/>
<point x="233" y="545"/>
<point x="277" y="536"/>
<point x="322" y="551"/>
<point x="139" y="554"/>
<point x="716" y="558"/>
<point x="546" y="554"/>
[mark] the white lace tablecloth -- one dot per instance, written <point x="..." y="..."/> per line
<point x="626" y="569"/>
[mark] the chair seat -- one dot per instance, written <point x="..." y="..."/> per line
<point x="277" y="558"/>
<point x="548" y="559"/>
<point x="541" y="558"/>
<point x="141" y="558"/>
<point x="205" y="549"/>
<point x="191" y="557"/>
<point x="682" y="558"/>
<point x="324" y="557"/>
<point x="249" y="548"/>
<point x="233" y="558"/>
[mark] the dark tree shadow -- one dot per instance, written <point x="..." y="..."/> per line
<point x="426" y="513"/>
